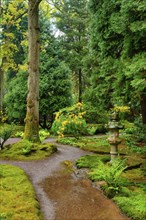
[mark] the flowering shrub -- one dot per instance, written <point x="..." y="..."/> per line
<point x="70" y="121"/>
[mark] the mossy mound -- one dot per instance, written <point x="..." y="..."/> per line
<point x="97" y="145"/>
<point x="26" y="150"/>
<point x="134" y="161"/>
<point x="18" y="199"/>
<point x="90" y="161"/>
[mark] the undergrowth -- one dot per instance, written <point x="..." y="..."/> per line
<point x="111" y="174"/>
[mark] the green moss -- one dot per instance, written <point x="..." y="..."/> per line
<point x="91" y="161"/>
<point x="26" y="150"/>
<point x="134" y="160"/>
<point x="18" y="199"/>
<point x="31" y="132"/>
<point x="98" y="145"/>
<point x="134" y="206"/>
<point x="134" y="175"/>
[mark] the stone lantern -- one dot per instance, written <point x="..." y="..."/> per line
<point x="114" y="140"/>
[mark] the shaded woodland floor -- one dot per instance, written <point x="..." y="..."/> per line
<point x="61" y="194"/>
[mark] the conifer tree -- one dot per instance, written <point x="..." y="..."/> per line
<point x="71" y="20"/>
<point x="119" y="47"/>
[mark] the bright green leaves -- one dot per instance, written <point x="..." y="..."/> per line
<point x="12" y="15"/>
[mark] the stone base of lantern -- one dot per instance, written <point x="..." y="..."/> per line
<point x="114" y="152"/>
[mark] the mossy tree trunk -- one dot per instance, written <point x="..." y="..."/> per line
<point x="1" y="89"/>
<point x="32" y="116"/>
<point x="1" y="76"/>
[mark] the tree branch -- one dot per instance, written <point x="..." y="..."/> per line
<point x="56" y="5"/>
<point x="36" y="4"/>
<point x="21" y="15"/>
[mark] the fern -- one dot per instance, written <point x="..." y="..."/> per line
<point x="111" y="174"/>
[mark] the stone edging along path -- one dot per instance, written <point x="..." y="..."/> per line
<point x="62" y="196"/>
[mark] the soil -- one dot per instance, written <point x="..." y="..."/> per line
<point x="63" y="195"/>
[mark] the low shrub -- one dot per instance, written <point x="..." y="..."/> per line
<point x="19" y="134"/>
<point x="44" y="134"/>
<point x="5" y="133"/>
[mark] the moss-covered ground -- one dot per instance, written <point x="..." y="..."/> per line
<point x="18" y="199"/>
<point x="129" y="187"/>
<point x="127" y="196"/>
<point x="17" y="196"/>
<point x="25" y="150"/>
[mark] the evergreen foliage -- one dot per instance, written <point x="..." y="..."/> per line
<point x="55" y="79"/>
<point x="118" y="46"/>
<point x="71" y="20"/>
<point x="15" y="98"/>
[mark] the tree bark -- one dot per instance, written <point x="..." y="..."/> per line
<point x="32" y="116"/>
<point x="80" y="85"/>
<point x="1" y="89"/>
<point x="1" y="77"/>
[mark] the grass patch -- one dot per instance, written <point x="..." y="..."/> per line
<point x="18" y="199"/>
<point x="25" y="150"/>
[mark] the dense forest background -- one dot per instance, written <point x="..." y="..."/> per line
<point x="92" y="52"/>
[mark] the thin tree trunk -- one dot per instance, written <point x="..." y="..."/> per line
<point x="80" y="85"/>
<point x="32" y="116"/>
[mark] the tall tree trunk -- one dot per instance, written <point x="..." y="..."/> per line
<point x="80" y="85"/>
<point x="1" y="76"/>
<point x="32" y="116"/>
<point x="1" y="89"/>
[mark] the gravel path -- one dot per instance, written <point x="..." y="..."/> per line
<point x="61" y="196"/>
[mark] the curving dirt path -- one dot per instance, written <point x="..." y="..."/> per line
<point x="62" y="196"/>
